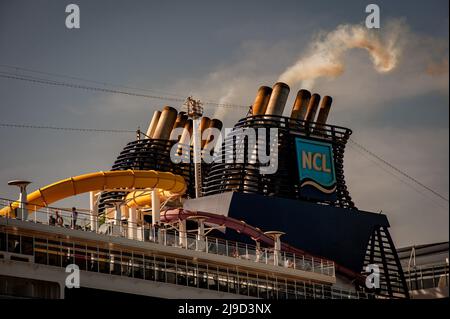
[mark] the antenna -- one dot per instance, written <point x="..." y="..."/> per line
<point x="195" y="111"/>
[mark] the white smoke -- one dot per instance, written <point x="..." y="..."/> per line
<point x="325" y="55"/>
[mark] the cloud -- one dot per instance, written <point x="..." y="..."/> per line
<point x="324" y="58"/>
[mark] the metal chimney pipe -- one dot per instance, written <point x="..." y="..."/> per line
<point x="181" y="120"/>
<point x="165" y="123"/>
<point x="278" y="98"/>
<point x="217" y="124"/>
<point x="301" y="104"/>
<point x="312" y="107"/>
<point x="179" y="123"/>
<point x="261" y="101"/>
<point x="154" y="122"/>
<point x="204" y="124"/>
<point x="187" y="133"/>
<point x="324" y="109"/>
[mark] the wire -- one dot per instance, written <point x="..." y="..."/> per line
<point x="410" y="185"/>
<point x="385" y="162"/>
<point x="46" y="127"/>
<point x="17" y="68"/>
<point x="32" y="79"/>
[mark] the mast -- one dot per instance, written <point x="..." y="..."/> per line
<point x="195" y="111"/>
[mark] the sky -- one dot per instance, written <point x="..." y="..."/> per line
<point x="223" y="51"/>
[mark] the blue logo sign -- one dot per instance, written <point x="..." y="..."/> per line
<point x="316" y="165"/>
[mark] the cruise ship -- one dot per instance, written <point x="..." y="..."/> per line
<point x="263" y="212"/>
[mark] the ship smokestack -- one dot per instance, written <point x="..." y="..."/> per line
<point x="312" y="107"/>
<point x="179" y="123"/>
<point x="324" y="110"/>
<point x="181" y="120"/>
<point x="187" y="133"/>
<point x="278" y="98"/>
<point x="154" y="122"/>
<point x="165" y="123"/>
<point x="261" y="101"/>
<point x="217" y="124"/>
<point x="301" y="104"/>
<point x="204" y="124"/>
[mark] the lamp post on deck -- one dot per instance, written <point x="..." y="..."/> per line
<point x="22" y="211"/>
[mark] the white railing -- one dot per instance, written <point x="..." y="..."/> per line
<point x="155" y="267"/>
<point x="173" y="238"/>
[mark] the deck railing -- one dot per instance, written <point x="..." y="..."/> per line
<point x="154" y="267"/>
<point x="183" y="240"/>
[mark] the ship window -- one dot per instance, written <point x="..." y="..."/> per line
<point x="192" y="275"/>
<point x="181" y="272"/>
<point x="243" y="283"/>
<point x="253" y="287"/>
<point x="223" y="280"/>
<point x="138" y="266"/>
<point x="262" y="287"/>
<point x="115" y="260"/>
<point x="271" y="292"/>
<point x="213" y="279"/>
<point x="27" y="245"/>
<point x="80" y="255"/>
<point x="232" y="281"/>
<point x="291" y="294"/>
<point x="160" y="269"/>
<point x="54" y="253"/>
<point x="203" y="277"/>
<point x="40" y="251"/>
<point x="13" y="244"/>
<point x="127" y="267"/>
<point x="103" y="261"/>
<point x="3" y="241"/>
<point x="149" y="265"/>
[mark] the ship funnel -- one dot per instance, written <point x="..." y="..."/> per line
<point x="261" y="101"/>
<point x="187" y="133"/>
<point x="154" y="122"/>
<point x="278" y="98"/>
<point x="211" y="141"/>
<point x="181" y="120"/>
<point x="165" y="123"/>
<point x="204" y="124"/>
<point x="312" y="107"/>
<point x="301" y="105"/>
<point x="324" y="110"/>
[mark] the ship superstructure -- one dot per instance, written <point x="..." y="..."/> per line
<point x="161" y="225"/>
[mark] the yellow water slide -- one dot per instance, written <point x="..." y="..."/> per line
<point x="169" y="184"/>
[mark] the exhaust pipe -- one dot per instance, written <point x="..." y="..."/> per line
<point x="154" y="122"/>
<point x="324" y="110"/>
<point x="278" y="98"/>
<point x="261" y="101"/>
<point x="179" y="123"/>
<point x="301" y="105"/>
<point x="312" y="108"/>
<point x="187" y="133"/>
<point x="210" y="141"/>
<point x="181" y="120"/>
<point x="165" y="123"/>
<point x="204" y="124"/>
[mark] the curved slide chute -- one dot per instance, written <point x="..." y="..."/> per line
<point x="110" y="180"/>
<point x="143" y="198"/>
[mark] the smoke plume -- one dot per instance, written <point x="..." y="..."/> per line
<point x="325" y="55"/>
